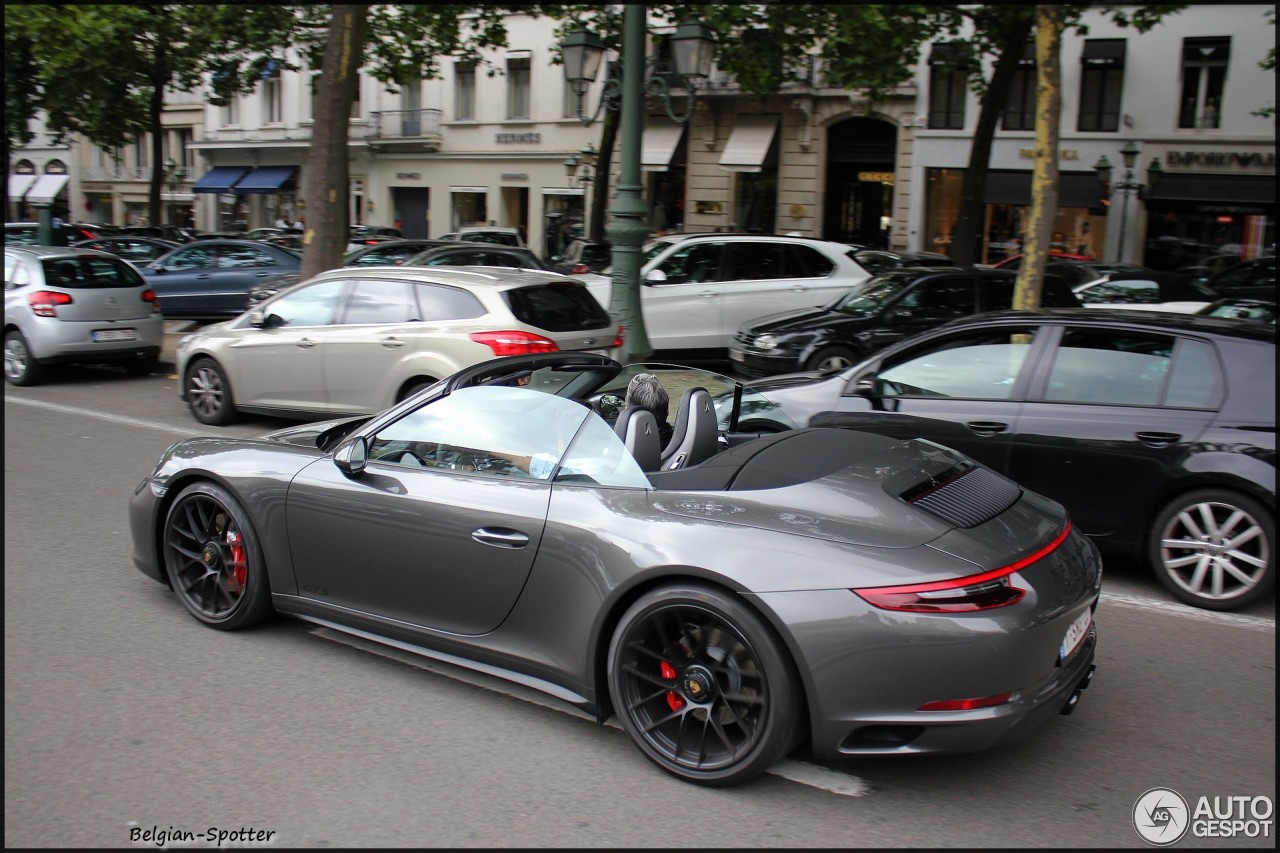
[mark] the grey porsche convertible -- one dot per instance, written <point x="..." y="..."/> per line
<point x="744" y="589"/>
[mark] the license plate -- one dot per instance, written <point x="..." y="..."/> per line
<point x="104" y="335"/>
<point x="1076" y="633"/>
<point x="734" y="355"/>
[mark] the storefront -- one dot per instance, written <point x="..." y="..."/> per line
<point x="1211" y="203"/>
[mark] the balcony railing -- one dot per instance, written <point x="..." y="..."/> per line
<point x="418" y="126"/>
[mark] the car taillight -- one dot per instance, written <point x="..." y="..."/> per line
<point x="514" y="342"/>
<point x="962" y="595"/>
<point x="44" y="303"/>
<point x="617" y="341"/>
<point x="967" y="704"/>
<point x="579" y="269"/>
<point x="149" y="295"/>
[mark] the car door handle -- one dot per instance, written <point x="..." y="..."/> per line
<point x="391" y="343"/>
<point x="707" y="293"/>
<point x="500" y="538"/>
<point x="987" y="427"/>
<point x="1158" y="439"/>
<point x="305" y="343"/>
<point x="261" y="274"/>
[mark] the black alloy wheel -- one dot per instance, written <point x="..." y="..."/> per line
<point x="699" y="682"/>
<point x="209" y="393"/>
<point x="1215" y="549"/>
<point x="212" y="558"/>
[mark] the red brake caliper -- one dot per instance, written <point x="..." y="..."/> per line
<point x="239" y="566"/>
<point x="674" y="701"/>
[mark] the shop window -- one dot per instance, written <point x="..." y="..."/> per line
<point x="948" y="88"/>
<point x="464" y="91"/>
<point x="1101" y="82"/>
<point x="1020" y="108"/>
<point x="1204" y="75"/>
<point x="518" y="71"/>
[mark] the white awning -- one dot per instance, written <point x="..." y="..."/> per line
<point x="748" y="144"/>
<point x="46" y="189"/>
<point x="661" y="137"/>
<point x="19" y="184"/>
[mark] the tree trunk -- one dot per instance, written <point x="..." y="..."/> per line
<point x="600" y="189"/>
<point x="967" y="235"/>
<point x="155" y="116"/>
<point x="1044" y="181"/>
<point x="325" y="191"/>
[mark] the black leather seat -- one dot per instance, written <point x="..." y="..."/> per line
<point x="638" y="429"/>
<point x="695" y="434"/>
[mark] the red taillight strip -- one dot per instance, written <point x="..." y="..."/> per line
<point x="900" y="597"/>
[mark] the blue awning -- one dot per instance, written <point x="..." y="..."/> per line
<point x="219" y="179"/>
<point x="267" y="179"/>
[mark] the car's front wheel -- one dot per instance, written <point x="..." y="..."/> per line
<point x="20" y="366"/>
<point x="213" y="559"/>
<point x="1215" y="549"/>
<point x="209" y="393"/>
<point x="703" y="685"/>
<point x="831" y="358"/>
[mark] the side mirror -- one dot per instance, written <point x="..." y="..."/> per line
<point x="901" y="314"/>
<point x="866" y="387"/>
<point x="655" y="277"/>
<point x="351" y="456"/>
<point x="256" y="319"/>
<point x="609" y="406"/>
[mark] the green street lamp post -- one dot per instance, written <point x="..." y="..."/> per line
<point x="1127" y="186"/>
<point x="693" y="46"/>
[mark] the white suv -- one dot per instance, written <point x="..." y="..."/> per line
<point x="698" y="289"/>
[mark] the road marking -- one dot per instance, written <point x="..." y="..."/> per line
<point x="1186" y="611"/>
<point x="120" y="419"/>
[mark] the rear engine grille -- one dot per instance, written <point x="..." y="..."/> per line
<point x="967" y="499"/>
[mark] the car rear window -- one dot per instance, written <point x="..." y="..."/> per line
<point x="84" y="273"/>
<point x="557" y="307"/>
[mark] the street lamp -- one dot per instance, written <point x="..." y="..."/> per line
<point x="693" y="47"/>
<point x="1127" y="186"/>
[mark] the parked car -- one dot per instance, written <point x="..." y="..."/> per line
<point x="584" y="256"/>
<point x="375" y="231"/>
<point x="868" y="318"/>
<point x="467" y="254"/>
<point x="1155" y="430"/>
<point x="1205" y="269"/>
<point x="357" y="340"/>
<point x="1242" y="308"/>
<point x="497" y="234"/>
<point x="395" y="252"/>
<point x="697" y="290"/>
<point x="876" y="261"/>
<point x="1015" y="261"/>
<point x="1076" y="273"/>
<point x="172" y="233"/>
<point x="361" y="241"/>
<point x="272" y="231"/>
<point x="76" y="305"/>
<point x="513" y="530"/>
<point x="209" y="279"/>
<point x="1256" y="278"/>
<point x="28" y="233"/>
<point x="139" y="250"/>
<point x="1150" y="290"/>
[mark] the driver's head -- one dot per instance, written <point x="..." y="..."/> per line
<point x="646" y="392"/>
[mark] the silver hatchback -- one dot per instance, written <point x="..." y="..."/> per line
<point x="356" y="340"/>
<point x="76" y="305"/>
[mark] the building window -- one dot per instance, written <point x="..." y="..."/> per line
<point x="355" y="99"/>
<point x="272" y="102"/>
<point x="1204" y="74"/>
<point x="464" y="94"/>
<point x="1101" y="81"/>
<point x="140" y="152"/>
<point x="1020" y="109"/>
<point x="518" y="87"/>
<point x="231" y="112"/>
<point x="948" y="88"/>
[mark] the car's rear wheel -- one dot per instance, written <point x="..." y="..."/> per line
<point x="413" y="387"/>
<point x="213" y="559"/>
<point x="1215" y="549"/>
<point x="703" y="686"/>
<point x="209" y="393"/>
<point x="831" y="358"/>
<point x="20" y="366"/>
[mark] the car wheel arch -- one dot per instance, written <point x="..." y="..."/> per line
<point x="622" y="599"/>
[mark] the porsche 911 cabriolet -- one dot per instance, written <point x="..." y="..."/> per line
<point x="745" y="588"/>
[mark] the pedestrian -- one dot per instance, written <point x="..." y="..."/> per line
<point x="281" y="221"/>
<point x="646" y="392"/>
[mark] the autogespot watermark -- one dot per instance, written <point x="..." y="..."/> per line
<point x="1163" y="817"/>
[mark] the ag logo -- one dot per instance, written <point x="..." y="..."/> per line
<point x="1161" y="816"/>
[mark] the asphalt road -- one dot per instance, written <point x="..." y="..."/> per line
<point x="123" y="715"/>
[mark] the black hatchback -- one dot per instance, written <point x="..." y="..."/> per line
<point x="1156" y="430"/>
<point x="879" y="312"/>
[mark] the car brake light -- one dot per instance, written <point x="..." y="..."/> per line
<point x="617" y="341"/>
<point x="962" y="595"/>
<point x="44" y="303"/>
<point x="514" y="342"/>
<point x="579" y="269"/>
<point x="149" y="295"/>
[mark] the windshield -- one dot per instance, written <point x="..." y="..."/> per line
<point x="870" y="298"/>
<point x="652" y="249"/>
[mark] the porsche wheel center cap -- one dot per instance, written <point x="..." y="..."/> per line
<point x="698" y="684"/>
<point x="211" y="555"/>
